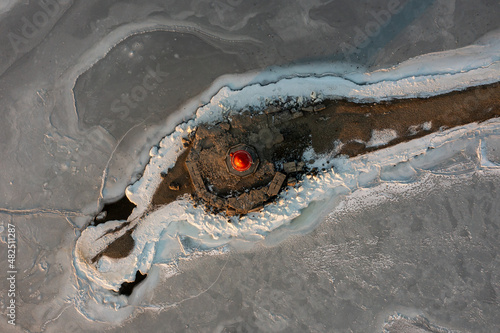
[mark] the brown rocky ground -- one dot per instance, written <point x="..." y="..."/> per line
<point x="175" y="183"/>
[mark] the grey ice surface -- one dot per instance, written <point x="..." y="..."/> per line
<point x="421" y="263"/>
<point x="434" y="255"/>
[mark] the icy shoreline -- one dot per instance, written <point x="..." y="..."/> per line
<point x="159" y="234"/>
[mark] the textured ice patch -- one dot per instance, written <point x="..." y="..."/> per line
<point x="490" y="151"/>
<point x="7" y="5"/>
<point x="399" y="323"/>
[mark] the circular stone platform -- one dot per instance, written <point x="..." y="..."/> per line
<point x="237" y="189"/>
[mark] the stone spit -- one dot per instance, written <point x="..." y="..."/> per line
<point x="280" y="136"/>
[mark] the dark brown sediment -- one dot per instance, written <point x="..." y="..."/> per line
<point x="350" y="121"/>
<point x="177" y="175"/>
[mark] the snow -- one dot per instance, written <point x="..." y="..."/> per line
<point x="427" y="126"/>
<point x="381" y="137"/>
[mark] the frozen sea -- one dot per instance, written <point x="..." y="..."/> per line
<point x="405" y="239"/>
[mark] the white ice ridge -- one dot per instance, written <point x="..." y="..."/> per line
<point x="159" y="236"/>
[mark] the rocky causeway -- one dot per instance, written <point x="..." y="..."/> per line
<point x="280" y="136"/>
<point x="275" y="139"/>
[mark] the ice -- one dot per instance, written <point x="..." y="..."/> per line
<point x="6" y="5"/>
<point x="490" y="151"/>
<point x="61" y="164"/>
<point x="419" y="324"/>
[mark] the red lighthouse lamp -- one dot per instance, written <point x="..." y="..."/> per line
<point x="241" y="160"/>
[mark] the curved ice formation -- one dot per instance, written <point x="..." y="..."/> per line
<point x="6" y="5"/>
<point x="160" y="235"/>
<point x="419" y="324"/>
